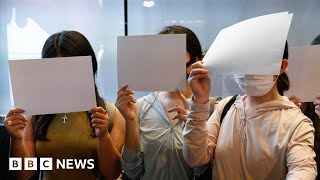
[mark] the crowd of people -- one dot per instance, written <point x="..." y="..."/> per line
<point x="176" y="135"/>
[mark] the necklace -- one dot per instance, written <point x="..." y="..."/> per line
<point x="65" y="117"/>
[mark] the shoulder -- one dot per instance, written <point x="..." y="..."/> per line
<point x="292" y="112"/>
<point x="146" y="99"/>
<point x="296" y="118"/>
<point x="111" y="108"/>
<point x="215" y="99"/>
<point x="292" y="118"/>
<point x="300" y="127"/>
<point x="222" y="102"/>
<point x="109" y="104"/>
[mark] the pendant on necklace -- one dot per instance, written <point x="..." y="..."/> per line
<point x="64" y="118"/>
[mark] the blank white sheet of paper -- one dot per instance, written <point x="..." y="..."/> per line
<point x="223" y="85"/>
<point x="53" y="85"/>
<point x="303" y="72"/>
<point x="152" y="62"/>
<point x="253" y="46"/>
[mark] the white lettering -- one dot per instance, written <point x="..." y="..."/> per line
<point x="90" y="163"/>
<point x="69" y="164"/>
<point x="61" y="164"/>
<point x="80" y="163"/>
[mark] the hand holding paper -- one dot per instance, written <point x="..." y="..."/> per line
<point x="200" y="83"/>
<point x="15" y="123"/>
<point x="126" y="103"/>
<point x="100" y="122"/>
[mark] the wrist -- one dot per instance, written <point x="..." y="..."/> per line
<point x="104" y="136"/>
<point x="202" y="100"/>
<point x="130" y="122"/>
<point x="15" y="140"/>
<point x="132" y="125"/>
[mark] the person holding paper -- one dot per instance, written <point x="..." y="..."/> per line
<point x="98" y="134"/>
<point x="312" y="110"/>
<point x="153" y="140"/>
<point x="263" y="134"/>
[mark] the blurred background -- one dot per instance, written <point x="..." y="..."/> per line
<point x="25" y="25"/>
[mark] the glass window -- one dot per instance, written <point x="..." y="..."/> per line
<point x="25" y="25"/>
<point x="208" y="17"/>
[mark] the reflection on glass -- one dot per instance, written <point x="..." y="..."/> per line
<point x="25" y="25"/>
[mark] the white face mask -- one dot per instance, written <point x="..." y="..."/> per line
<point x="255" y="85"/>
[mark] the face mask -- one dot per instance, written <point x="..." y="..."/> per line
<point x="255" y="85"/>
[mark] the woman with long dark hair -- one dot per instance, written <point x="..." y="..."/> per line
<point x="153" y="141"/>
<point x="97" y="134"/>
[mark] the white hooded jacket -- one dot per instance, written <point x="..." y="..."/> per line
<point x="275" y="141"/>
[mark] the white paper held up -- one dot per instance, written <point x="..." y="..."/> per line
<point x="303" y="72"/>
<point x="53" y="85"/>
<point x="253" y="46"/>
<point x="152" y="62"/>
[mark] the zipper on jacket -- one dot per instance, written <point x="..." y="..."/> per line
<point x="240" y="143"/>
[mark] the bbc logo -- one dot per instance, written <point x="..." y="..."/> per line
<point x="15" y="164"/>
<point x="45" y="164"/>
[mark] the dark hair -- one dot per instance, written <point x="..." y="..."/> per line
<point x="283" y="82"/>
<point x="316" y="41"/>
<point x="64" y="44"/>
<point x="193" y="44"/>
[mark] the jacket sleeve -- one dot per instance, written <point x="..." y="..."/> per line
<point x="300" y="155"/>
<point x="132" y="163"/>
<point x="200" y="135"/>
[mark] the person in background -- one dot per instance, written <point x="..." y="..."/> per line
<point x="154" y="123"/>
<point x="262" y="136"/>
<point x="97" y="134"/>
<point x="312" y="110"/>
